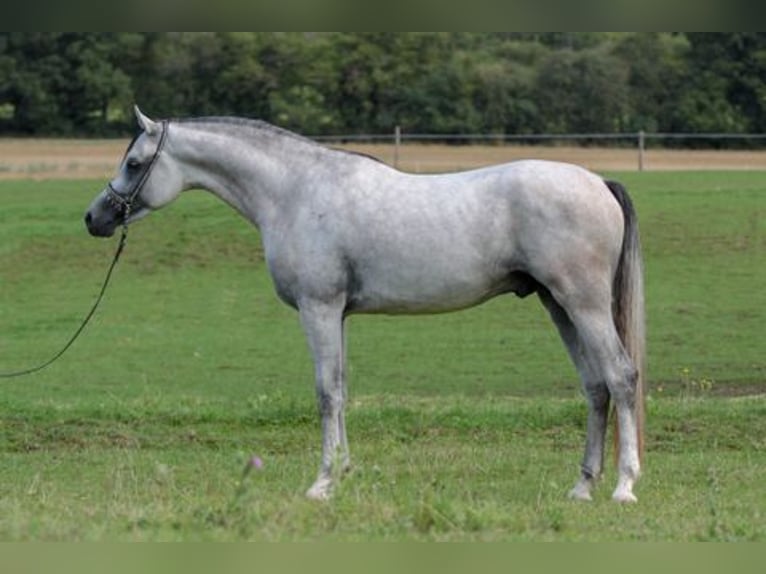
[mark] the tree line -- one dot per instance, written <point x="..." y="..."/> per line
<point x="84" y="84"/>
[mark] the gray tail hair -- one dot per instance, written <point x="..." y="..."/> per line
<point x="628" y="303"/>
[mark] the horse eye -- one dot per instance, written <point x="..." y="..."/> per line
<point x="133" y="164"/>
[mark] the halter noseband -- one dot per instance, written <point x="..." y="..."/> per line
<point x="125" y="202"/>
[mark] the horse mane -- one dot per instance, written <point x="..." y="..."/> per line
<point x="262" y="126"/>
<point x="256" y="125"/>
<point x="360" y="154"/>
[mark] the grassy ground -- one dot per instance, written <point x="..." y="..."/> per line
<point x="463" y="426"/>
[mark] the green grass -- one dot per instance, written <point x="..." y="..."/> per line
<point x="465" y="426"/>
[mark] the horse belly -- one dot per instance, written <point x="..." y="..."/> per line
<point x="430" y="256"/>
<point x="412" y="286"/>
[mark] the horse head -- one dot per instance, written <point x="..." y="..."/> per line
<point x="144" y="181"/>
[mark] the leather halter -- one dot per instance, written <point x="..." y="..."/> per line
<point x="126" y="201"/>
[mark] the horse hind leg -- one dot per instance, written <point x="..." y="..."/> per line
<point x="596" y="393"/>
<point x="609" y="362"/>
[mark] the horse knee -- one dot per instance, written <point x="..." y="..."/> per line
<point x="623" y="389"/>
<point x="330" y="402"/>
<point x="329" y="387"/>
<point x="597" y="395"/>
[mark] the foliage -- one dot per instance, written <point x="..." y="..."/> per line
<point x="428" y="82"/>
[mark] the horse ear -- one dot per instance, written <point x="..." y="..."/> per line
<point x="148" y="125"/>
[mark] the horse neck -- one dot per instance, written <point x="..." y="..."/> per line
<point x="244" y="166"/>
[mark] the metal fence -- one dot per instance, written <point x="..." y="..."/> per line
<point x="639" y="141"/>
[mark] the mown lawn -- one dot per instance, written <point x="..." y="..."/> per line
<point x="465" y="426"/>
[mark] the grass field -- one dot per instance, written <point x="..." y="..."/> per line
<point x="465" y="426"/>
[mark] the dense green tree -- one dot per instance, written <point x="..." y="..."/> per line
<point x="95" y="83"/>
<point x="656" y="78"/>
<point x="582" y="91"/>
<point x="369" y="82"/>
<point x="727" y="74"/>
<point x="504" y="88"/>
<point x="60" y="82"/>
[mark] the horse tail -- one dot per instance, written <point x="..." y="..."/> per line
<point x="628" y="305"/>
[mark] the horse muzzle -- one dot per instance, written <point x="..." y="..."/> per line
<point x="97" y="227"/>
<point x="102" y="218"/>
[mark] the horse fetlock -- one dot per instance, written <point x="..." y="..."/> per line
<point x="624" y="496"/>
<point x="624" y="490"/>
<point x="581" y="492"/>
<point x="629" y="468"/>
<point x="321" y="489"/>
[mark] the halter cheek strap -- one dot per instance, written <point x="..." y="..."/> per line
<point x="125" y="202"/>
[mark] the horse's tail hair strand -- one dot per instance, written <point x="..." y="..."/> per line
<point x="628" y="304"/>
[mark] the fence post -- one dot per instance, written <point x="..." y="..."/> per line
<point x="641" y="150"/>
<point x="397" y="143"/>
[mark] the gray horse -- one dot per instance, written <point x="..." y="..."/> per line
<point x="343" y="233"/>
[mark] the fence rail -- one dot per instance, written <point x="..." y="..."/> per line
<point x="638" y="140"/>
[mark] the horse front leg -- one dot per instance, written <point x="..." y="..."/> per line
<point x="323" y="326"/>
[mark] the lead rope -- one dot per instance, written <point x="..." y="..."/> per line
<point x="127" y="204"/>
<point x="81" y="328"/>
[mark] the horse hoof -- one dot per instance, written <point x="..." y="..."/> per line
<point x="321" y="490"/>
<point x="625" y="497"/>
<point x="580" y="494"/>
<point x="581" y="491"/>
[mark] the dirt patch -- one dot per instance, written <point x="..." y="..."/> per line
<point x="98" y="159"/>
<point x="420" y="158"/>
<point x="738" y="389"/>
<point x="726" y="389"/>
<point x="59" y="158"/>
